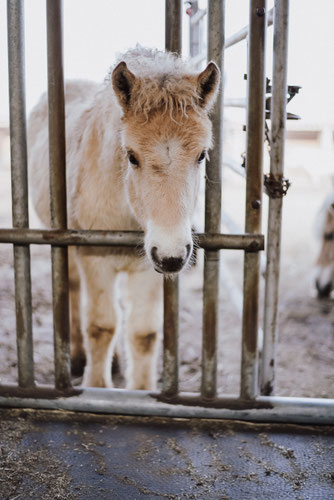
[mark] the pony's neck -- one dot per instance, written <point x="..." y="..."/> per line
<point x="103" y="191"/>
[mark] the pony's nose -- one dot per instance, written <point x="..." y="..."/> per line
<point x="323" y="291"/>
<point x="170" y="264"/>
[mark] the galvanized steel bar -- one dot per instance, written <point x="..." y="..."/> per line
<point x="118" y="401"/>
<point x="173" y="26"/>
<point x="129" y="239"/>
<point x="243" y="33"/>
<point x="57" y="157"/>
<point x="18" y="148"/>
<point x="170" y="382"/>
<point x="216" y="38"/>
<point x="278" y="125"/>
<point x="235" y="102"/>
<point x="254" y="160"/>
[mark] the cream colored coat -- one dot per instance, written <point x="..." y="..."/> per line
<point x="134" y="149"/>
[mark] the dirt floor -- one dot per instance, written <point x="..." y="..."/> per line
<point x="67" y="456"/>
<point x="306" y="325"/>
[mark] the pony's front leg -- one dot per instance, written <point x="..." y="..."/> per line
<point x="144" y="321"/>
<point x="100" y="320"/>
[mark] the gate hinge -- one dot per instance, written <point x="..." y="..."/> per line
<point x="276" y="187"/>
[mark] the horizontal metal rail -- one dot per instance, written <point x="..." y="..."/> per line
<point x="198" y="16"/>
<point x="186" y="405"/>
<point x="235" y="102"/>
<point x="243" y="33"/>
<point x="236" y="37"/>
<point x="61" y="238"/>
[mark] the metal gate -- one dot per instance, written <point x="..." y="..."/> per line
<point x="249" y="404"/>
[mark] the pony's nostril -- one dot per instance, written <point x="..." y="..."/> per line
<point x="172" y="264"/>
<point x="154" y="254"/>
<point x="169" y="264"/>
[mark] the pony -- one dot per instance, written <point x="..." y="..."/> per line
<point x="324" y="271"/>
<point x="134" y="149"/>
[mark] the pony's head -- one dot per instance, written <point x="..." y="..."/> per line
<point x="166" y="134"/>
<point x="324" y="272"/>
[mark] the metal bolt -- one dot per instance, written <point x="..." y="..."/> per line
<point x="260" y="11"/>
<point x="256" y="204"/>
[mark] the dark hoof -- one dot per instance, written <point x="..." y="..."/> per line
<point x="325" y="291"/>
<point x="77" y="365"/>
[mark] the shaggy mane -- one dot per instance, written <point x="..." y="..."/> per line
<point x="165" y="82"/>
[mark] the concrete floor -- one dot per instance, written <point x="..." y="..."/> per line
<point x="59" y="455"/>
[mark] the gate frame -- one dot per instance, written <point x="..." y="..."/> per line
<point x="169" y="402"/>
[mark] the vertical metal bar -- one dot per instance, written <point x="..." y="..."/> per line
<point x="173" y="26"/>
<point x="216" y="40"/>
<point x="254" y="159"/>
<point x="278" y="125"/>
<point x="57" y="157"/>
<point x="173" y="42"/>
<point x="171" y="333"/>
<point x="18" y="145"/>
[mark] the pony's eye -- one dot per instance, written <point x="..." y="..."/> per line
<point x="133" y="159"/>
<point x="201" y="156"/>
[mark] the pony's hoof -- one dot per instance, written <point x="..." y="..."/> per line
<point x="323" y="291"/>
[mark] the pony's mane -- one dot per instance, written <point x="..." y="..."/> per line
<point x="165" y="82"/>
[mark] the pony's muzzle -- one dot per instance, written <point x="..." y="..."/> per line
<point x="170" y="264"/>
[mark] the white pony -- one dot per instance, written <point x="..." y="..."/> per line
<point x="134" y="146"/>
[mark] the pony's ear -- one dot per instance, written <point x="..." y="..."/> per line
<point x="123" y="81"/>
<point x="208" y="84"/>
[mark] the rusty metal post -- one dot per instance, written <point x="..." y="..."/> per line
<point x="18" y="148"/>
<point x="278" y="125"/>
<point x="170" y="384"/>
<point x="254" y="179"/>
<point x="57" y="156"/>
<point x="216" y="38"/>
<point x="173" y="43"/>
<point x="173" y="26"/>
